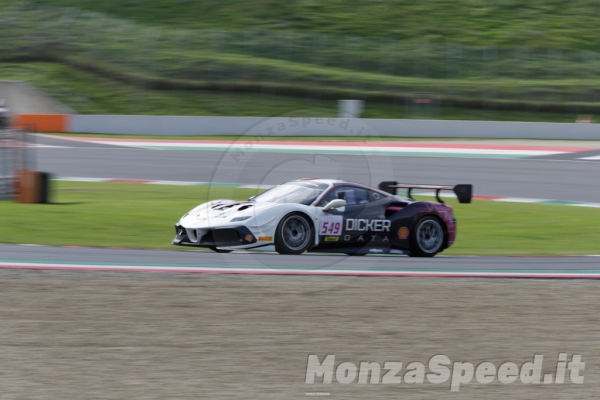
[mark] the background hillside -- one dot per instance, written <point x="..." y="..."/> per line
<point x="433" y="59"/>
<point x="539" y="24"/>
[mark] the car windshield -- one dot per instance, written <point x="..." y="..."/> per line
<point x="294" y="192"/>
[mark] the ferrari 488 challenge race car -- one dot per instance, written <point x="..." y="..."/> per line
<point x="326" y="215"/>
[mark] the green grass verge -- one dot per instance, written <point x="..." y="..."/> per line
<point x="142" y="216"/>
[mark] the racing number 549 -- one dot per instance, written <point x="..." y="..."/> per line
<point x="331" y="228"/>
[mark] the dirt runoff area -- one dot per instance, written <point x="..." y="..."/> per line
<point x="154" y="336"/>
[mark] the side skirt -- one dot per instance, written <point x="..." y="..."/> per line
<point x="359" y="250"/>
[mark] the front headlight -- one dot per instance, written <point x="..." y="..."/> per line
<point x="237" y="219"/>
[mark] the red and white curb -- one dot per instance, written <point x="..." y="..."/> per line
<point x="298" y="271"/>
<point x="505" y="199"/>
<point x="160" y="182"/>
<point x="333" y="147"/>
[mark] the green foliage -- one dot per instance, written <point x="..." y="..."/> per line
<point x="539" y="24"/>
<point x="463" y="55"/>
<point x="91" y="94"/>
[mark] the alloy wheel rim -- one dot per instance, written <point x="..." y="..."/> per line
<point x="296" y="233"/>
<point x="430" y="236"/>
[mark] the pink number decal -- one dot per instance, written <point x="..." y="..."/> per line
<point x="331" y="225"/>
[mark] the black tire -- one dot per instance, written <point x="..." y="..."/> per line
<point x="214" y="248"/>
<point x="427" y="238"/>
<point x="295" y="234"/>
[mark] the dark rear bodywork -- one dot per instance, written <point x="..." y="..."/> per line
<point x="384" y="226"/>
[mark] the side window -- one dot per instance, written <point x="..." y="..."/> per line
<point x="352" y="195"/>
<point x="361" y="196"/>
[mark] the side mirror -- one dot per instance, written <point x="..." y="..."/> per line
<point x="335" y="204"/>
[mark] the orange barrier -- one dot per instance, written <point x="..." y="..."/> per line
<point x="31" y="187"/>
<point x="43" y="122"/>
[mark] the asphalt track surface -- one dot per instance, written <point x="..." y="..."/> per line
<point x="126" y="260"/>
<point x="559" y="177"/>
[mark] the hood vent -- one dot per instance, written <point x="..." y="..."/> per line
<point x="223" y="206"/>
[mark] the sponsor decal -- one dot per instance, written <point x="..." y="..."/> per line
<point x="375" y="251"/>
<point x="332" y="238"/>
<point x="368" y="225"/>
<point x="265" y="238"/>
<point x="249" y="238"/>
<point x="369" y="238"/>
<point x="201" y="219"/>
<point x="403" y="233"/>
<point x="331" y="225"/>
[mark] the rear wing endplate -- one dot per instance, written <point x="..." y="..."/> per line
<point x="464" y="193"/>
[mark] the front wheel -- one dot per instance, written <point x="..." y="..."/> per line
<point x="427" y="238"/>
<point x="295" y="234"/>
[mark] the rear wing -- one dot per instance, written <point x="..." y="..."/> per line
<point x="464" y="193"/>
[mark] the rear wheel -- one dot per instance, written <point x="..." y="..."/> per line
<point x="295" y="234"/>
<point x="427" y="238"/>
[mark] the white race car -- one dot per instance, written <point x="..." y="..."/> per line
<point x="325" y="215"/>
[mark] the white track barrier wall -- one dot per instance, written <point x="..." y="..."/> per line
<point x="284" y="126"/>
